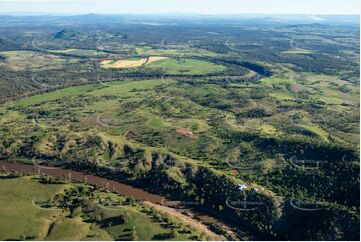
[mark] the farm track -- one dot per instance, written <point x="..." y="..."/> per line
<point x="187" y="219"/>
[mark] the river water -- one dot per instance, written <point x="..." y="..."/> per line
<point x="111" y="185"/>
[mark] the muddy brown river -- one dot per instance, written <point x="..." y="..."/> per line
<point x="111" y="185"/>
<point x="118" y="187"/>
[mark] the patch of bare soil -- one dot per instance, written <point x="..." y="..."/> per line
<point x="131" y="63"/>
<point x="186" y="132"/>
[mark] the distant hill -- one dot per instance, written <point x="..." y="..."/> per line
<point x="60" y="34"/>
<point x="176" y="17"/>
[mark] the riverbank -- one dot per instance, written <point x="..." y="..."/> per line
<point x="153" y="200"/>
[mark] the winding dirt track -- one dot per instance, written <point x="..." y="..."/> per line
<point x="188" y="220"/>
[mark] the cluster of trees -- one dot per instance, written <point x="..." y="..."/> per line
<point x="210" y="190"/>
<point x="253" y="113"/>
<point x="335" y="165"/>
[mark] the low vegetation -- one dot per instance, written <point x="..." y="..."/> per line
<point x="44" y="208"/>
<point x="192" y="117"/>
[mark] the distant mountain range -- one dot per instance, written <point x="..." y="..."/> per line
<point x="174" y="17"/>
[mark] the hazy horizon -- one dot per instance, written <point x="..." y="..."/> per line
<point x="211" y="7"/>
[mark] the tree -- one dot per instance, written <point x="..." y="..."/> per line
<point x="173" y="233"/>
<point x="134" y="235"/>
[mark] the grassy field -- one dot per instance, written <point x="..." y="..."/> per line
<point x="71" y="229"/>
<point x="174" y="51"/>
<point x="21" y="60"/>
<point x="120" y="88"/>
<point x="297" y="51"/>
<point x="176" y="66"/>
<point x="83" y="52"/>
<point x="21" y="219"/>
<point x="187" y="66"/>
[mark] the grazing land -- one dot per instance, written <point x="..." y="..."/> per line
<point x="253" y="124"/>
<point x="187" y="66"/>
<point x="49" y="208"/>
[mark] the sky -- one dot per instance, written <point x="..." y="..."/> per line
<point x="181" y="6"/>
